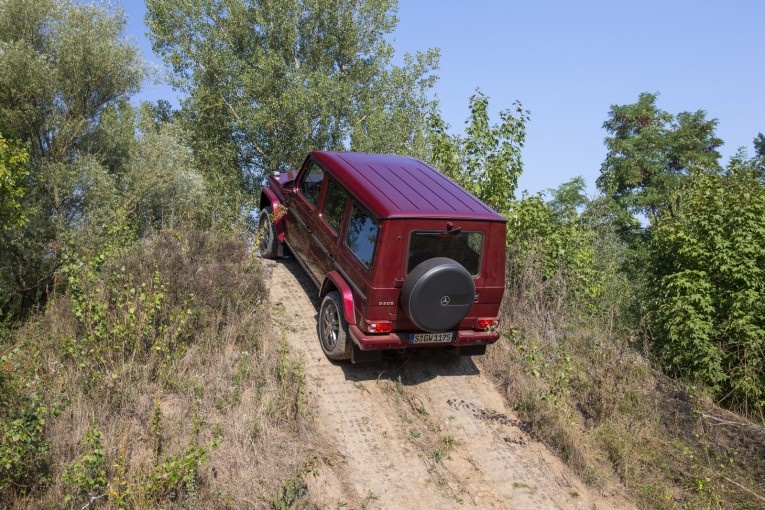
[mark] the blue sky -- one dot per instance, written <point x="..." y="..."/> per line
<point x="568" y="62"/>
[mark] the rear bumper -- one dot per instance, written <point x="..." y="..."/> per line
<point x="370" y="342"/>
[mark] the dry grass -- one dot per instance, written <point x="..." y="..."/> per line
<point x="615" y="418"/>
<point x="214" y="417"/>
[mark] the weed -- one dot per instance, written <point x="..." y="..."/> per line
<point x="443" y="448"/>
<point x="24" y="386"/>
<point x="400" y="390"/>
<point x="86" y="477"/>
<point x="293" y="489"/>
<point x="156" y="429"/>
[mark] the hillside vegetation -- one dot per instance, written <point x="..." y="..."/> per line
<point x="139" y="363"/>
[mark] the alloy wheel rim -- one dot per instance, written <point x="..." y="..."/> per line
<point x="329" y="327"/>
<point x="266" y="239"/>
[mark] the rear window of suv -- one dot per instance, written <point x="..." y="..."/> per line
<point x="462" y="247"/>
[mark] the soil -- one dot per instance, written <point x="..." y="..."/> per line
<point x="423" y="429"/>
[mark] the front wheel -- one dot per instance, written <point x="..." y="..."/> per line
<point x="268" y="243"/>
<point x="333" y="328"/>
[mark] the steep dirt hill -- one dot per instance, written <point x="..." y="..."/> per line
<point x="424" y="430"/>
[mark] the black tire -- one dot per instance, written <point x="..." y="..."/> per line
<point x="437" y="294"/>
<point x="333" y="328"/>
<point x="268" y="245"/>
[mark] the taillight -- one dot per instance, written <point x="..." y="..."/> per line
<point x="379" y="327"/>
<point x="487" y="323"/>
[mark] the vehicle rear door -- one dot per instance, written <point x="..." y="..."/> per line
<point x="463" y="241"/>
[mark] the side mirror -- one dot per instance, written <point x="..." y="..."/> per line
<point x="289" y="188"/>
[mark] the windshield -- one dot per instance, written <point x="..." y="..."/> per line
<point x="462" y="247"/>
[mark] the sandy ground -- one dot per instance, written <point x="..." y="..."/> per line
<point x="423" y="430"/>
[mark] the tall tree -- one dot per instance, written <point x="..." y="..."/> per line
<point x="486" y="160"/>
<point x="759" y="145"/>
<point x="651" y="151"/>
<point x="62" y="65"/>
<point x="269" y="81"/>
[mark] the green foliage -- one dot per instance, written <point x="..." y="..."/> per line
<point x="267" y="82"/>
<point x="173" y="478"/>
<point x="86" y="477"/>
<point x="61" y="64"/>
<point x="759" y="145"/>
<point x="64" y="67"/>
<point x="294" y="490"/>
<point x="23" y="414"/>
<point x="13" y="172"/>
<point x="121" y="317"/>
<point x="551" y="366"/>
<point x="179" y="474"/>
<point x="559" y="248"/>
<point x="486" y="161"/>
<point x="569" y="197"/>
<point x="708" y="269"/>
<point x="163" y="189"/>
<point x="650" y="152"/>
<point x="620" y="259"/>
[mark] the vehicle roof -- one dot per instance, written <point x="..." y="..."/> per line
<point x="403" y="187"/>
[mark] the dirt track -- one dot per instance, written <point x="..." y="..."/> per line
<point x="425" y="430"/>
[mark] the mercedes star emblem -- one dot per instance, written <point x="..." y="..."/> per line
<point x="445" y="301"/>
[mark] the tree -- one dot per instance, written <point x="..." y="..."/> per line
<point x="62" y="66"/>
<point x="13" y="171"/>
<point x="708" y="276"/>
<point x="269" y="81"/>
<point x="486" y="160"/>
<point x="651" y="152"/>
<point x="569" y="197"/>
<point x="759" y="145"/>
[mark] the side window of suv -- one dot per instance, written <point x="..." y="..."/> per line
<point x="311" y="184"/>
<point x="362" y="235"/>
<point x="334" y="205"/>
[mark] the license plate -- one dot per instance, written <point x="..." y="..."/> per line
<point x="431" y="338"/>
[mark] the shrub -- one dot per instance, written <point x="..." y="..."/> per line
<point x="23" y="414"/>
<point x="708" y="268"/>
<point x="86" y="477"/>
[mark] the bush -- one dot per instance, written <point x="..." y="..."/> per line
<point x="23" y="414"/>
<point x="708" y="268"/>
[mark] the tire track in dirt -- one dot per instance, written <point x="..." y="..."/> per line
<point x="493" y="463"/>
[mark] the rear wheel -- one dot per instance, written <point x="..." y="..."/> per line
<point x="333" y="328"/>
<point x="268" y="245"/>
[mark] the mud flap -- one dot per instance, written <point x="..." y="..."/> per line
<point x="359" y="356"/>
<point x="473" y="350"/>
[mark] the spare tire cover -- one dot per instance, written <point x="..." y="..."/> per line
<point x="437" y="294"/>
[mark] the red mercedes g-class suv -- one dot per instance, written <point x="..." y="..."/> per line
<point x="402" y="256"/>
